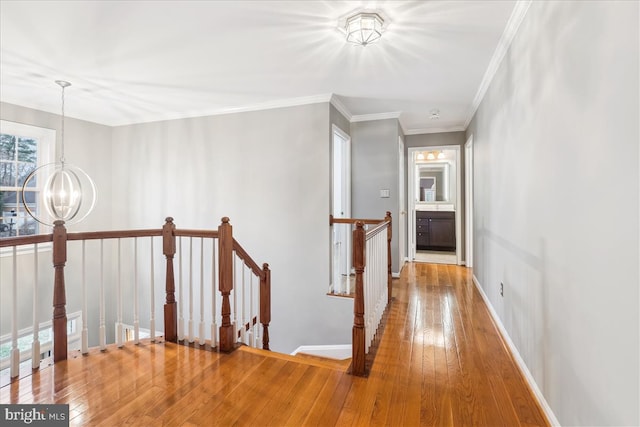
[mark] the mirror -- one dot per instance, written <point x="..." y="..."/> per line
<point x="433" y="182"/>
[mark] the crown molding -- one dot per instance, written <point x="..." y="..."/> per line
<point x="376" y="116"/>
<point x="340" y="107"/>
<point x="516" y="18"/>
<point x="280" y="103"/>
<point x="458" y="128"/>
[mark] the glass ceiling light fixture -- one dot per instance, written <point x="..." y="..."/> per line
<point x="441" y="155"/>
<point x="67" y="193"/>
<point x="364" y="28"/>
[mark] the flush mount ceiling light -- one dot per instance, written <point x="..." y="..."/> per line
<point x="434" y="115"/>
<point x="364" y="28"/>
<point x="68" y="193"/>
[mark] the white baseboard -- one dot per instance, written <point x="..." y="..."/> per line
<point x="551" y="417"/>
<point x="339" y="351"/>
<point x="395" y="275"/>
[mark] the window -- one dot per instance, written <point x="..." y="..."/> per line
<point x="23" y="148"/>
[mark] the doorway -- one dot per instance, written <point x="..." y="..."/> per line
<point x="434" y="199"/>
<point x="340" y="208"/>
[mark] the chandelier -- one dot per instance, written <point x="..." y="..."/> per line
<point x="67" y="193"/>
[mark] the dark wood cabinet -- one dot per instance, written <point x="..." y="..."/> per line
<point x="435" y="231"/>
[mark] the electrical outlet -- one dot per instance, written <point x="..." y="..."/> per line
<point x="501" y="289"/>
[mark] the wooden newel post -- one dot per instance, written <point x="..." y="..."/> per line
<point x="225" y="282"/>
<point x="389" y="276"/>
<point x="358" y="336"/>
<point x="170" y="308"/>
<point x="265" y="304"/>
<point x="59" y="293"/>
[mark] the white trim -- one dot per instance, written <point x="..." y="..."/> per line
<point x="322" y="350"/>
<point x="395" y="275"/>
<point x="376" y="116"/>
<point x="516" y="355"/>
<point x="268" y="105"/>
<point x="468" y="198"/>
<point x="516" y="18"/>
<point x="335" y="101"/>
<point x="456" y="128"/>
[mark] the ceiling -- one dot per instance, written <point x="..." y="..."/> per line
<point x="140" y="61"/>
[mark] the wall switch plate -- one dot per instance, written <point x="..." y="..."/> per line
<point x="384" y="193"/>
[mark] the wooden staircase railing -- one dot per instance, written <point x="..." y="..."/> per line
<point x="227" y="248"/>
<point x="361" y="338"/>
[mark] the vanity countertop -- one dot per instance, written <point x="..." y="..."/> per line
<point x="435" y="206"/>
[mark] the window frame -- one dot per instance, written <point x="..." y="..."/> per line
<point x="46" y="146"/>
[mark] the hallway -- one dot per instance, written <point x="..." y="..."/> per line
<point x="441" y="361"/>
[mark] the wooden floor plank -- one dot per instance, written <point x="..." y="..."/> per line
<point x="439" y="361"/>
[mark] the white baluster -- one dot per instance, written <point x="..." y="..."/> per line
<point x="136" y="309"/>
<point x="234" y="318"/>
<point x="250" y="342"/>
<point x="35" y="344"/>
<point x="214" y="291"/>
<point x="201" y="336"/>
<point x="102" y="331"/>
<point x="152" y="319"/>
<point x="85" y="327"/>
<point x="15" y="353"/>
<point x="191" y="289"/>
<point x="243" y="316"/>
<point x="180" y="308"/>
<point x="119" y="297"/>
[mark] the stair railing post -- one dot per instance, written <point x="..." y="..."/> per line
<point x="358" y="332"/>
<point x="59" y="292"/>
<point x="170" y="308"/>
<point x="265" y="304"/>
<point x="389" y="276"/>
<point x="225" y="283"/>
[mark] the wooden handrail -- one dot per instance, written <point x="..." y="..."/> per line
<point x="333" y="220"/>
<point x="226" y="246"/>
<point x="244" y="256"/>
<point x="6" y="242"/>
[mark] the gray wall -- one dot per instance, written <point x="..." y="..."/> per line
<point x="563" y="239"/>
<point x="374" y="148"/>
<point x="266" y="170"/>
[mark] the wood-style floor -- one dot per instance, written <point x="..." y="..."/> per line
<point x="440" y="361"/>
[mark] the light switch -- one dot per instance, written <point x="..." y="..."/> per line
<point x="384" y="193"/>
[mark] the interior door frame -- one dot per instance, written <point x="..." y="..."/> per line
<point x="346" y="198"/>
<point x="402" y="211"/>
<point x="468" y="197"/>
<point x="411" y="188"/>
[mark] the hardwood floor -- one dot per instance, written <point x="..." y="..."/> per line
<point x="440" y="361"/>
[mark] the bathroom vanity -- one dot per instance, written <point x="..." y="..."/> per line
<point x="435" y="227"/>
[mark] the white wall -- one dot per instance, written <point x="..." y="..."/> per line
<point x="562" y="237"/>
<point x="266" y="170"/>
